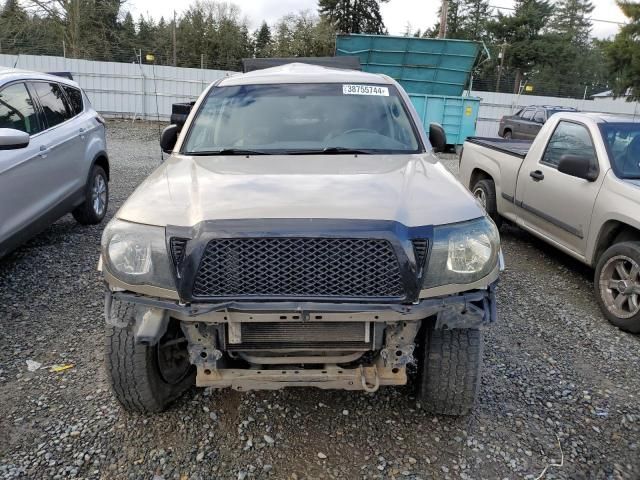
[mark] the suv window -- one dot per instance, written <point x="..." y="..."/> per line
<point x="539" y="116"/>
<point x="17" y="110"/>
<point x="569" y="138"/>
<point x="527" y="114"/>
<point x="53" y="102"/>
<point x="75" y="99"/>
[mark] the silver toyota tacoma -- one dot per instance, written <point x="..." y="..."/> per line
<point x="301" y="233"/>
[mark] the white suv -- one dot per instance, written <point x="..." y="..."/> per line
<point x="53" y="156"/>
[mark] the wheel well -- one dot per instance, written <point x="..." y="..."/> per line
<point x="478" y="175"/>
<point x="104" y="163"/>
<point x="612" y="232"/>
<point x="508" y="129"/>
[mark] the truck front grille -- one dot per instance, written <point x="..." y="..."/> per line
<point x="299" y="267"/>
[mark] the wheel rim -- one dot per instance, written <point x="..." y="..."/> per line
<point x="172" y="355"/>
<point x="620" y="286"/>
<point x="480" y="194"/>
<point x="99" y="194"/>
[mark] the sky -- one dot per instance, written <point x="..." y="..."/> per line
<point x="419" y="14"/>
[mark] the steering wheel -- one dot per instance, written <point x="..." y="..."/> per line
<point x="354" y="130"/>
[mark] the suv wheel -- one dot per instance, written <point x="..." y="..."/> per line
<point x="146" y="378"/>
<point x="94" y="207"/>
<point x="449" y="370"/>
<point x="507" y="135"/>
<point x="617" y="285"/>
<point x="485" y="191"/>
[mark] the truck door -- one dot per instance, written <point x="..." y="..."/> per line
<point x="523" y="128"/>
<point x="555" y="204"/>
<point x="536" y="123"/>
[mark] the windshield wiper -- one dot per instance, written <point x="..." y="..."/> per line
<point x="229" y="151"/>
<point x="330" y="151"/>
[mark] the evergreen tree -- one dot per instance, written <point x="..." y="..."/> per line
<point x="571" y="20"/>
<point x="354" y="16"/>
<point x="522" y="31"/>
<point x="623" y="53"/>
<point x="466" y="20"/>
<point x="262" y="41"/>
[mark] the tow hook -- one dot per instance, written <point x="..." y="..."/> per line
<point x="366" y="386"/>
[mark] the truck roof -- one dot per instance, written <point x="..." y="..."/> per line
<point x="603" y="117"/>
<point x="304" y="73"/>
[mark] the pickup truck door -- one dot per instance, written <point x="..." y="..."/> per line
<point x="522" y="129"/>
<point x="536" y="123"/>
<point x="556" y="205"/>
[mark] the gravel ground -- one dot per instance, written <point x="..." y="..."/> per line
<point x="560" y="384"/>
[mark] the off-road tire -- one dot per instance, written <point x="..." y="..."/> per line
<point x="85" y="214"/>
<point x="628" y="249"/>
<point x="133" y="369"/>
<point x="488" y="187"/>
<point x="449" y="370"/>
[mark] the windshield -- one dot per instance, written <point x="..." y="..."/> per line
<point x="623" y="146"/>
<point x="302" y="118"/>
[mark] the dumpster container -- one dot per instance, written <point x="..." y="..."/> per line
<point x="457" y="115"/>
<point x="434" y="72"/>
<point x="426" y="66"/>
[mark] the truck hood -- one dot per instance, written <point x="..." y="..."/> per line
<point x="411" y="189"/>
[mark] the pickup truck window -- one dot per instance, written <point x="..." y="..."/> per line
<point x="569" y="138"/>
<point x="303" y="118"/>
<point x="539" y="116"/>
<point x="623" y="146"/>
<point x="528" y="114"/>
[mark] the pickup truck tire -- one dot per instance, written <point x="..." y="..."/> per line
<point x="485" y="191"/>
<point x="135" y="371"/>
<point x="449" y="370"/>
<point x="617" y="285"/>
<point x="507" y="135"/>
<point x="94" y="207"/>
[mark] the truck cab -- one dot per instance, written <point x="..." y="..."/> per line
<point x="576" y="186"/>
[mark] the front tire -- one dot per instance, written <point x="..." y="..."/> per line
<point x="507" y="135"/>
<point x="485" y="191"/>
<point x="617" y="285"/>
<point x="146" y="379"/>
<point x="96" y="196"/>
<point x="449" y="370"/>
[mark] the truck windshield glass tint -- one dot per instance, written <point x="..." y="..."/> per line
<point x="302" y="118"/>
<point x="623" y="146"/>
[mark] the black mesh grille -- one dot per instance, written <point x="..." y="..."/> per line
<point x="299" y="267"/>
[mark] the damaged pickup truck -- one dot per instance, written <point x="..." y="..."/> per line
<point x="302" y="233"/>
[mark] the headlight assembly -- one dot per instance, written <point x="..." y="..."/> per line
<point x="137" y="254"/>
<point x="462" y="253"/>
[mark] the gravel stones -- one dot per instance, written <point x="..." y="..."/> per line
<point x="554" y="369"/>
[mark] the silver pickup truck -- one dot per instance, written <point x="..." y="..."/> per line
<point x="577" y="187"/>
<point x="302" y="233"/>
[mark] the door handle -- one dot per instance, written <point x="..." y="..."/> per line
<point x="82" y="131"/>
<point x="43" y="151"/>
<point x="537" y="175"/>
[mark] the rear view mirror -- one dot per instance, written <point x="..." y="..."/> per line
<point x="11" y="139"/>
<point x="577" y="166"/>
<point x="168" y="138"/>
<point x="437" y="137"/>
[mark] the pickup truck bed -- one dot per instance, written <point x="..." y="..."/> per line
<point x="519" y="148"/>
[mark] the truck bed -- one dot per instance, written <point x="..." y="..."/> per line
<point x="520" y="148"/>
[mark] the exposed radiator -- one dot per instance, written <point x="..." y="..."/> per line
<point x="353" y="336"/>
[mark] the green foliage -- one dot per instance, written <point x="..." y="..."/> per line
<point x="466" y="20"/>
<point x="353" y="16"/>
<point x="623" y="54"/>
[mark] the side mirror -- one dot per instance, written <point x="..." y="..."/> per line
<point x="168" y="138"/>
<point x="11" y="139"/>
<point x="577" y="166"/>
<point x="437" y="137"/>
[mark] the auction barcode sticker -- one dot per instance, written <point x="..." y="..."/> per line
<point x="365" y="90"/>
